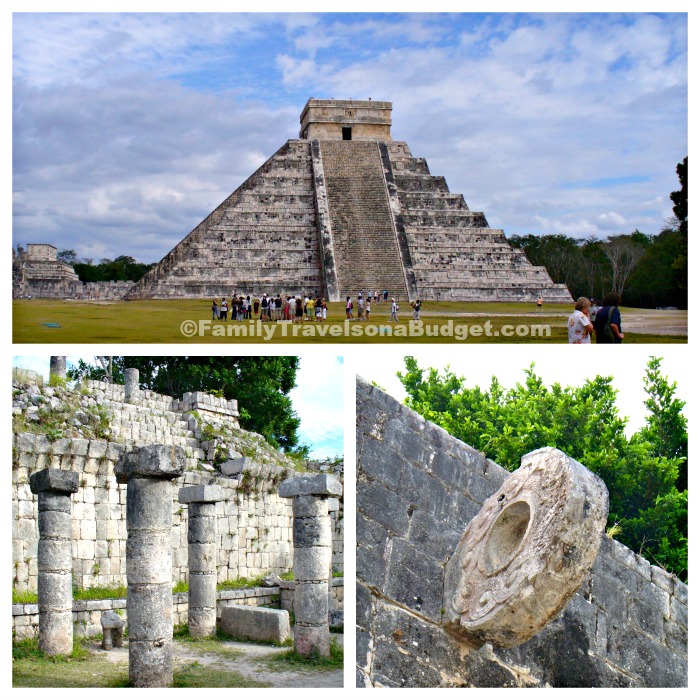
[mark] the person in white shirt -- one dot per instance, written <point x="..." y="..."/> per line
<point x="580" y="325"/>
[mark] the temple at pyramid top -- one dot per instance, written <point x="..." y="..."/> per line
<point x="346" y="120"/>
<point x="345" y="209"/>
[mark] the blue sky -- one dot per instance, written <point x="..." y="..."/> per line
<point x="128" y="129"/>
<point x="317" y="398"/>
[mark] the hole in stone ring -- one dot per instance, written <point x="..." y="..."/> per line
<point x="506" y="535"/>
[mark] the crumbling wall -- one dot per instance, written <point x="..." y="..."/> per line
<point x="87" y="428"/>
<point x="417" y="489"/>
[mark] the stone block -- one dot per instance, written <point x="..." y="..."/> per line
<point x="151" y="461"/>
<point x="257" y="624"/>
<point x="312" y="532"/>
<point x="54" y="480"/>
<point x="317" y="485"/>
<point x="310" y="506"/>
<point x="201" y="494"/>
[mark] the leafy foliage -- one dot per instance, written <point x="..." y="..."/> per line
<point x="643" y="473"/>
<point x="646" y="269"/>
<point x="260" y="384"/>
<point x="120" y="269"/>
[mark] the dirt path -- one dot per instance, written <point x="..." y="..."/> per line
<point x="250" y="663"/>
<point x="657" y="322"/>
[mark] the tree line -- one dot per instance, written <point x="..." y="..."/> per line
<point x="646" y="474"/>
<point x="120" y="269"/>
<point x="647" y="270"/>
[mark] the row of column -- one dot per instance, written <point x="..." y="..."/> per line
<point x="148" y="471"/>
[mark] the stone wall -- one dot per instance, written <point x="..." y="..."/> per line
<point x="87" y="428"/>
<point x="417" y="489"/>
<point x="86" y="613"/>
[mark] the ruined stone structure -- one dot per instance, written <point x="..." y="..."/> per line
<point x="148" y="471"/>
<point x="418" y="490"/>
<point x="37" y="273"/>
<point x="312" y="559"/>
<point x="345" y="209"/>
<point x="86" y="429"/>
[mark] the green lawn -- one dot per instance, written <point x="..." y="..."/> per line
<point x="49" y="321"/>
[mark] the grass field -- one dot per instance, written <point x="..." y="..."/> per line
<point x="156" y="321"/>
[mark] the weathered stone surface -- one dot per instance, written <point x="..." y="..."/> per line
<point x="201" y="494"/>
<point x="258" y="624"/>
<point x="54" y="480"/>
<point x="151" y="461"/>
<point x="312" y="532"/>
<point x="57" y="366"/>
<point x="151" y="663"/>
<point x="56" y="632"/>
<point x="527" y="551"/>
<point x="311" y="603"/>
<point x="312" y="563"/>
<point x="233" y="467"/>
<point x="317" y="485"/>
<point x="310" y="507"/>
<point x="131" y="385"/>
<point x="312" y="640"/>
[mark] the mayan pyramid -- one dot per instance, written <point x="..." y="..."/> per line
<point x="342" y="209"/>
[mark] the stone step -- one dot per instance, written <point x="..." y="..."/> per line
<point x="364" y="238"/>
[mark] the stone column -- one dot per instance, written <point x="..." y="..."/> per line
<point x="313" y="549"/>
<point x="58" y="366"/>
<point x="201" y="541"/>
<point x="55" y="559"/>
<point x="131" y="385"/>
<point x="149" y="522"/>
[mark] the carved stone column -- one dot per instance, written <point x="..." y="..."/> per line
<point x="55" y="559"/>
<point x="313" y="549"/>
<point x="201" y="542"/>
<point x="149" y="521"/>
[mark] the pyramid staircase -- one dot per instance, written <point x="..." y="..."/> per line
<point x="364" y="239"/>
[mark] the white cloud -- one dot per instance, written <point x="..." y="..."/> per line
<point x="130" y="128"/>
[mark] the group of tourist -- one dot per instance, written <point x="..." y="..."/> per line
<point x="269" y="308"/>
<point x="589" y="319"/>
<point x="298" y="309"/>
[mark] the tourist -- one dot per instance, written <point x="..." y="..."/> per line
<point x="368" y="308"/>
<point x="318" y="309"/>
<point x="214" y="310"/>
<point x="580" y="326"/>
<point x="263" y="307"/>
<point x="416" y="309"/>
<point x="324" y="309"/>
<point x="310" y="308"/>
<point x="386" y="296"/>
<point x="377" y="297"/>
<point x="608" y="321"/>
<point x="539" y="303"/>
<point x="223" y="313"/>
<point x="593" y="311"/>
<point x="360" y="307"/>
<point x="299" y="310"/>
<point x="278" y="307"/>
<point x="248" y="314"/>
<point x="348" y="308"/>
<point x="256" y="307"/>
<point x="394" y="311"/>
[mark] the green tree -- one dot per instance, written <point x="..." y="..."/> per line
<point x="640" y="472"/>
<point x="680" y="197"/>
<point x="260" y="384"/>
<point x="67" y="256"/>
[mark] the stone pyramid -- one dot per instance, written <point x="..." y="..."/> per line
<point x="342" y="209"/>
